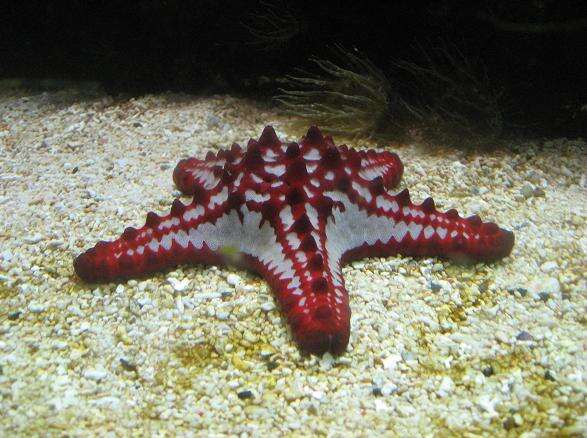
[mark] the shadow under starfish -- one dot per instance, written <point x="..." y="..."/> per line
<point x="295" y="213"/>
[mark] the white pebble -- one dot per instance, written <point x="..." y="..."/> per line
<point x="35" y="238"/>
<point x="246" y="288"/>
<point x="222" y="315"/>
<point x="488" y="404"/>
<point x="318" y="395"/>
<point x="179" y="304"/>
<point x="95" y="375"/>
<point x="233" y="279"/>
<point x="250" y="338"/>
<point x="326" y="362"/>
<point x="178" y="285"/>
<point x="549" y="266"/>
<point x="267" y="306"/>
<point x="388" y="389"/>
<point x="36" y="307"/>
<point x="552" y="286"/>
<point x="446" y="386"/>
<point x="391" y="361"/>
<point x="107" y="402"/>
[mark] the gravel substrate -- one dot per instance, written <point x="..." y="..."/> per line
<point x="436" y="348"/>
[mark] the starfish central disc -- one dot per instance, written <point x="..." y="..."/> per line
<point x="295" y="213"/>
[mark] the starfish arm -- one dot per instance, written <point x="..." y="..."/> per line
<point x="187" y="235"/>
<point x="282" y="238"/>
<point x="384" y="167"/>
<point x="192" y="175"/>
<point x="388" y="224"/>
<point x="313" y="298"/>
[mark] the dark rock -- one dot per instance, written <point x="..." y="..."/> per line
<point x="128" y="366"/>
<point x="14" y="315"/>
<point x="524" y="336"/>
<point x="522" y="291"/>
<point x="246" y="394"/>
<point x="488" y="371"/>
<point x="538" y="192"/>
<point x="509" y="423"/>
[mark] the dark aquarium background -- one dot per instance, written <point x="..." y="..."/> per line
<point x="490" y="67"/>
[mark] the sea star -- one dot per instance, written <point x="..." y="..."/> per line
<point x="294" y="213"/>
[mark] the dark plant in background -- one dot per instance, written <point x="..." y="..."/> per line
<point x="274" y="25"/>
<point x="451" y="96"/>
<point x="348" y="96"/>
<point x="447" y="98"/>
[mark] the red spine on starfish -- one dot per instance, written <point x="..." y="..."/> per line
<point x="294" y="213"/>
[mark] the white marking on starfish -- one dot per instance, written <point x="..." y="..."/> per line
<point x="196" y="238"/>
<point x="365" y="193"/>
<point x="166" y="241"/>
<point x="312" y="154"/>
<point x="312" y="215"/>
<point x="205" y="178"/>
<point x="277" y="170"/>
<point x="219" y="198"/>
<point x="193" y="213"/>
<point x="414" y="230"/>
<point x="317" y="239"/>
<point x="286" y="216"/>
<point x="182" y="238"/>
<point x="441" y="232"/>
<point x="382" y="203"/>
<point x="251" y="195"/>
<point x="399" y="231"/>
<point x="164" y="225"/>
<point x="269" y="155"/>
<point x="153" y="245"/>
<point x="293" y="240"/>
<point x="428" y="231"/>
<point x="295" y="282"/>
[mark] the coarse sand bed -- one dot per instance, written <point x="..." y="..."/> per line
<point x="436" y="348"/>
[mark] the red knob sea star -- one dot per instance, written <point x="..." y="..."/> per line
<point x="295" y="213"/>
